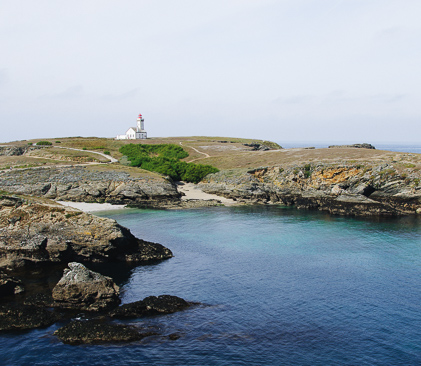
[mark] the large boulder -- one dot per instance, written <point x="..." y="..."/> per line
<point x="83" y="289"/>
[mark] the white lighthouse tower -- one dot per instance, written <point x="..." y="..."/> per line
<point x="140" y="128"/>
<point x="137" y="132"/>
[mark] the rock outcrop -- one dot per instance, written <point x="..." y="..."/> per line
<point x="358" y="146"/>
<point x="338" y="189"/>
<point x="83" y="289"/>
<point x="99" y="331"/>
<point x="40" y="231"/>
<point x="152" y="305"/>
<point x="85" y="184"/>
<point x="13" y="150"/>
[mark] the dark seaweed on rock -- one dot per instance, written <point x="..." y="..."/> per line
<point x="99" y="331"/>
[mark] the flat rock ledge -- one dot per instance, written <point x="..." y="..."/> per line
<point x="83" y="289"/>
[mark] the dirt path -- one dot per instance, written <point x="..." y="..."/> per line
<point x="200" y="152"/>
<point x="112" y="160"/>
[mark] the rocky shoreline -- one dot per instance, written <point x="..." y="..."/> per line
<point x="344" y="189"/>
<point x="357" y="190"/>
<point x="82" y="184"/>
<point x="36" y="234"/>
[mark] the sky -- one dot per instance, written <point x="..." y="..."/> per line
<point x="280" y="70"/>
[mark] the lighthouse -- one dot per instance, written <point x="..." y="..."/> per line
<point x="140" y="128"/>
<point x="140" y="123"/>
<point x="135" y="133"/>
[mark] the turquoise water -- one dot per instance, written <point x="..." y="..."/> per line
<point x="277" y="286"/>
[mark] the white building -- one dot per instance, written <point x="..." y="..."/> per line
<point x="135" y="133"/>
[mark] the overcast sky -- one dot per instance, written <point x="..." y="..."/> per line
<point x="283" y="70"/>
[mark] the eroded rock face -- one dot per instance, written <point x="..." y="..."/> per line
<point x="81" y="184"/>
<point x="346" y="190"/>
<point x="39" y="231"/>
<point x="83" y="289"/>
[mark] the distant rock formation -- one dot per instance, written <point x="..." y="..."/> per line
<point x="358" y="146"/>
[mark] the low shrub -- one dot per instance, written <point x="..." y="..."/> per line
<point x="165" y="159"/>
<point x="47" y="143"/>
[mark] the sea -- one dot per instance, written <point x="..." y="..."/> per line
<point x="273" y="285"/>
<point x="391" y="146"/>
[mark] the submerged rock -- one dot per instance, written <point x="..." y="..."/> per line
<point x="97" y="331"/>
<point x="152" y="305"/>
<point x="22" y="317"/>
<point x="82" y="289"/>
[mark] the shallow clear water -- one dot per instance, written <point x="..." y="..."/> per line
<point x="278" y="287"/>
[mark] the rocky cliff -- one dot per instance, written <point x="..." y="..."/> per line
<point x="90" y="184"/>
<point x="339" y="189"/>
<point x="40" y="231"/>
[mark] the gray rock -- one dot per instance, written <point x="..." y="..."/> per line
<point x="87" y="185"/>
<point x="39" y="231"/>
<point x="83" y="289"/>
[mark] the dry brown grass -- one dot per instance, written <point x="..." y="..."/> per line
<point x="290" y="157"/>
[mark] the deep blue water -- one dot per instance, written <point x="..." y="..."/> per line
<point x="278" y="287"/>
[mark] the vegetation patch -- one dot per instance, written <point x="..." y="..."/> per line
<point x="165" y="159"/>
<point x="69" y="215"/>
<point x="46" y="143"/>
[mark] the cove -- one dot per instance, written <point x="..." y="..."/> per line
<point x="277" y="286"/>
